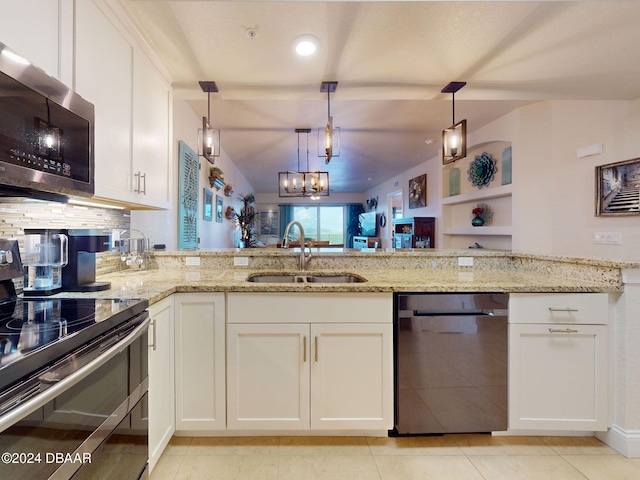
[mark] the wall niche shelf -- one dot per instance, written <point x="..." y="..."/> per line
<point x="480" y="195"/>
<point x="457" y="231"/>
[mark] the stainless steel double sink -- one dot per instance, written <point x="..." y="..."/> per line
<point x="305" y="277"/>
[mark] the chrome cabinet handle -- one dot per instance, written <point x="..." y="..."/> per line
<point x="142" y="179"/>
<point x="551" y="309"/>
<point x="153" y="336"/>
<point x="304" y="349"/>
<point x="316" y="347"/>
<point x="6" y="258"/>
<point x="562" y="330"/>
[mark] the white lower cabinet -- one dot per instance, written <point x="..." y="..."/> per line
<point x="268" y="376"/>
<point x="558" y="367"/>
<point x="161" y="378"/>
<point x="200" y="362"/>
<point x="332" y="373"/>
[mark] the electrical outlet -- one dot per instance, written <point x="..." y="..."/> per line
<point x="465" y="261"/>
<point x="240" y="261"/>
<point x="192" y="261"/>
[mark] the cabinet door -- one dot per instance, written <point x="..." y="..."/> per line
<point x="104" y="76"/>
<point x="161" y="378"/>
<point x="268" y="376"/>
<point x="351" y="376"/>
<point x="34" y="30"/>
<point x="200" y="362"/>
<point x="150" y="170"/>
<point x="558" y="377"/>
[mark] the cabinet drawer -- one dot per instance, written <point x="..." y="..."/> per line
<point x="569" y="308"/>
<point x="270" y="307"/>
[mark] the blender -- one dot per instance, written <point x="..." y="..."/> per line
<point x="45" y="255"/>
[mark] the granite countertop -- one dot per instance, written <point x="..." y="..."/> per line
<point x="157" y="284"/>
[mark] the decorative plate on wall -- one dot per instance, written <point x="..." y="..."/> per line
<point x="481" y="170"/>
<point x="418" y="191"/>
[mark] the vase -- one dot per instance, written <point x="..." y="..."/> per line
<point x="477" y="221"/>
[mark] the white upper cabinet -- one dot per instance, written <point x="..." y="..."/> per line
<point x="32" y="28"/>
<point x="132" y="105"/>
<point x="104" y="76"/>
<point x="151" y="107"/>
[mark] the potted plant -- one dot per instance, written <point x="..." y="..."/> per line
<point x="245" y="219"/>
<point x="216" y="178"/>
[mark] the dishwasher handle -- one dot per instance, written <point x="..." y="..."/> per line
<point x="457" y="312"/>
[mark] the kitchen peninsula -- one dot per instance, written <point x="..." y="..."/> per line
<point x="208" y="316"/>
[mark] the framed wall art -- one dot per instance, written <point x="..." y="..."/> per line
<point x="188" y="197"/>
<point x="207" y="204"/>
<point x="269" y="223"/>
<point x="219" y="208"/>
<point x="618" y="188"/>
<point x="418" y="191"/>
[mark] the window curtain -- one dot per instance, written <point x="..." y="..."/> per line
<point x="353" y="222"/>
<point x="286" y="215"/>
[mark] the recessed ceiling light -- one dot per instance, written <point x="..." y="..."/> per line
<point x="305" y="45"/>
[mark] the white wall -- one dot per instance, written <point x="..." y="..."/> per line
<point x="162" y="226"/>
<point x="553" y="190"/>
<point x="401" y="182"/>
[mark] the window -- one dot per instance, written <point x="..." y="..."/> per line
<point x="322" y="223"/>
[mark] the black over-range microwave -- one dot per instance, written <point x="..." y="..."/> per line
<point x="46" y="134"/>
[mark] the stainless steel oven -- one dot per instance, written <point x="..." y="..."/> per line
<point x="73" y="387"/>
<point x="84" y="416"/>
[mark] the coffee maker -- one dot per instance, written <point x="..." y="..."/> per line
<point x="79" y="275"/>
<point x="45" y="254"/>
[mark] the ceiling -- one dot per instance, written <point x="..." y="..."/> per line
<point x="391" y="60"/>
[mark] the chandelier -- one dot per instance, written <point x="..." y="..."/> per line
<point x="311" y="184"/>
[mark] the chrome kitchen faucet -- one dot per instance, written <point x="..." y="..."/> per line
<point x="304" y="258"/>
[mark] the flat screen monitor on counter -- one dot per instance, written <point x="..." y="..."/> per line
<point x="368" y="224"/>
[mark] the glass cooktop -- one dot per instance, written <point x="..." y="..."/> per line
<point x="36" y="331"/>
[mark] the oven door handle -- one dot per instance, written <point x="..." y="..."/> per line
<point x="57" y="388"/>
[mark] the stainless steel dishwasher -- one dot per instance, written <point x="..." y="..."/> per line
<point x="450" y="361"/>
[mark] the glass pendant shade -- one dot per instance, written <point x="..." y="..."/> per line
<point x="329" y="141"/>
<point x="208" y="137"/>
<point x="208" y="141"/>
<point x="454" y="142"/>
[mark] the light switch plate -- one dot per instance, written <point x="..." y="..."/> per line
<point x="608" y="238"/>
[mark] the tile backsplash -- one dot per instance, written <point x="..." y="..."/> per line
<point x="18" y="215"/>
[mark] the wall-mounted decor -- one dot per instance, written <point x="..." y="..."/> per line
<point x="418" y="191"/>
<point x="230" y="213"/>
<point x="618" y="188"/>
<point x="188" y="197"/>
<point x="219" y="207"/>
<point x="454" y="182"/>
<point x="506" y="166"/>
<point x="207" y="204"/>
<point x="482" y="170"/>
<point x="372" y="203"/>
<point x="269" y="223"/>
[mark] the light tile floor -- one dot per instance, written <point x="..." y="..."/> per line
<point x="455" y="457"/>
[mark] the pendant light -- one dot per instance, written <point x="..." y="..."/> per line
<point x="303" y="183"/>
<point x="208" y="137"/>
<point x="454" y="138"/>
<point x="328" y="136"/>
